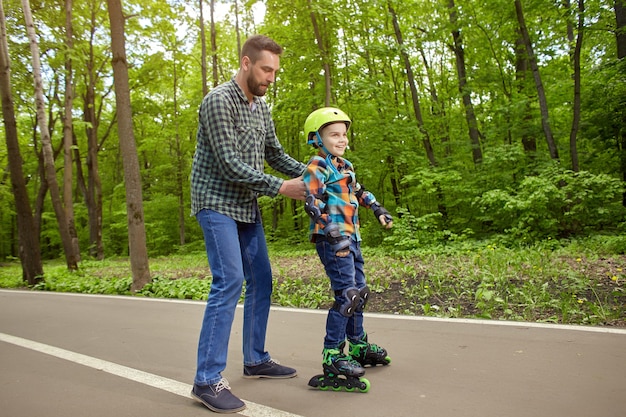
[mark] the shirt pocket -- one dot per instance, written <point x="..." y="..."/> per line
<point x="251" y="144"/>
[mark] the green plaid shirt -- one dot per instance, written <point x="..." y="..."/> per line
<point x="234" y="140"/>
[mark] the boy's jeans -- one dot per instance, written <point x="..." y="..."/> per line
<point x="344" y="272"/>
<point x="236" y="251"/>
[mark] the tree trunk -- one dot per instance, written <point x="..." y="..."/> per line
<point x="68" y="195"/>
<point x="324" y="54"/>
<point x="216" y="79"/>
<point x="237" y="28"/>
<point x="205" y="88"/>
<point x="414" y="95"/>
<point x="50" y="170"/>
<point x="180" y="163"/>
<point x="28" y="239"/>
<point x="430" y="153"/>
<point x="620" y="27"/>
<point x="543" y="103"/>
<point x="439" y="111"/>
<point x="620" y="38"/>
<point x="93" y="191"/>
<point x="529" y="142"/>
<point x="134" y="204"/>
<point x="576" y="64"/>
<point x="459" y="55"/>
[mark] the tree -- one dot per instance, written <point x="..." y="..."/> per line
<point x="375" y="78"/>
<point x="417" y="109"/>
<point x="464" y="89"/>
<point x="71" y="257"/>
<point x="321" y="44"/>
<point x="238" y="35"/>
<point x="543" y="102"/>
<point x="575" y="54"/>
<point x="529" y="142"/>
<point x="620" y="31"/>
<point x="620" y="38"/>
<point x="29" y="250"/>
<point x="92" y="190"/>
<point x="68" y="131"/>
<point x="214" y="45"/>
<point x="203" y="70"/>
<point x="132" y="179"/>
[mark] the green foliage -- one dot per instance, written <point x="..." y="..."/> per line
<point x="513" y="196"/>
<point x="412" y="232"/>
<point x="573" y="282"/>
<point x="162" y="231"/>
<point x="602" y="244"/>
<point x="530" y="284"/>
<point x="61" y="280"/>
<point x="11" y="275"/>
<point x="554" y="204"/>
<point x="302" y="292"/>
<point x="192" y="288"/>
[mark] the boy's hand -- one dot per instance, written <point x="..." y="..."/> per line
<point x="383" y="215"/>
<point x="386" y="220"/>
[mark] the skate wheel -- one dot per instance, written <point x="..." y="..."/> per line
<point x="349" y="387"/>
<point x="387" y="360"/>
<point x="365" y="385"/>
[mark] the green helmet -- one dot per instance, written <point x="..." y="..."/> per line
<point x="320" y="118"/>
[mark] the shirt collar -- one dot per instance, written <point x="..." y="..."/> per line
<point x="341" y="162"/>
<point x="242" y="95"/>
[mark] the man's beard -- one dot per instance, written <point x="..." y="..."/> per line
<point x="255" y="88"/>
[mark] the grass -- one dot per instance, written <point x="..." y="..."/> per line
<point x="557" y="284"/>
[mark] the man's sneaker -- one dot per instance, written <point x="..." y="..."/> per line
<point x="269" y="369"/>
<point x="217" y="397"/>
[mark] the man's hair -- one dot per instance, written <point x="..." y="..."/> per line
<point x="255" y="44"/>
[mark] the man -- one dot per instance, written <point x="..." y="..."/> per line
<point x="235" y="136"/>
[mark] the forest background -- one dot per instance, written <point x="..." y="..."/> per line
<point x="477" y="124"/>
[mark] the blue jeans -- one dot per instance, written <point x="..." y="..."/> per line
<point x="236" y="252"/>
<point x="344" y="272"/>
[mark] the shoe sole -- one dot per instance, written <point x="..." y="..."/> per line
<point x="215" y="409"/>
<point x="287" y="376"/>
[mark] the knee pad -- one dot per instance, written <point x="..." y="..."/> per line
<point x="346" y="301"/>
<point x="364" y="295"/>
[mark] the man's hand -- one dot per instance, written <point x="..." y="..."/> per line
<point x="293" y="188"/>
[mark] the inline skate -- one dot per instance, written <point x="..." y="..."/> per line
<point x="368" y="353"/>
<point x="340" y="372"/>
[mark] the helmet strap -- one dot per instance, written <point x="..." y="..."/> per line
<point x="320" y="144"/>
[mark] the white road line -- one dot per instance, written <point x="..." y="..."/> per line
<point x="155" y="381"/>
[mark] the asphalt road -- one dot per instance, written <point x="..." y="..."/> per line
<point x="67" y="355"/>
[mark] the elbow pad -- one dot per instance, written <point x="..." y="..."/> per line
<point x="311" y="209"/>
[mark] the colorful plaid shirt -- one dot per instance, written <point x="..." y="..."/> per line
<point x="234" y="140"/>
<point x="337" y="195"/>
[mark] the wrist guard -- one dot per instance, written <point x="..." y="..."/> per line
<point x="381" y="211"/>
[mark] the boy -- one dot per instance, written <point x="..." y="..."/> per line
<point x="332" y="201"/>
